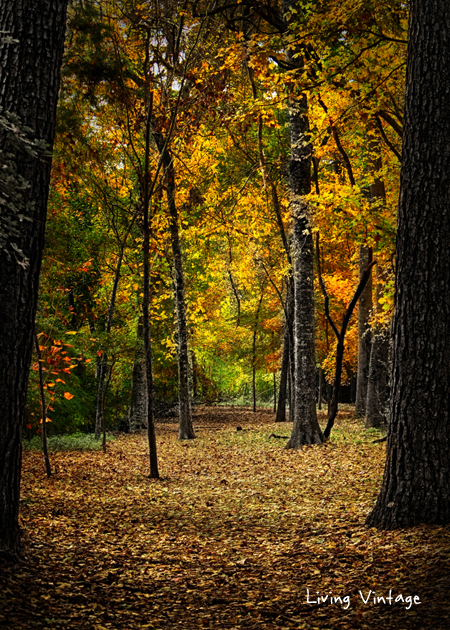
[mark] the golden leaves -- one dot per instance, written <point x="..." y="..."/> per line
<point x="108" y="544"/>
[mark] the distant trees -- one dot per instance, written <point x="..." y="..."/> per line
<point x="30" y="61"/>
<point x="416" y="484"/>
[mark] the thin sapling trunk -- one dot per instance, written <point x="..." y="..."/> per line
<point x="48" y="469"/>
<point x="340" y="335"/>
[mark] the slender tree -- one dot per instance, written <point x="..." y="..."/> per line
<point x="364" y="333"/>
<point x="29" y="82"/>
<point x="137" y="413"/>
<point x="377" y="380"/>
<point x="416" y="484"/>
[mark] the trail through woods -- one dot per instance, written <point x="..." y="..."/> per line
<point x="232" y="536"/>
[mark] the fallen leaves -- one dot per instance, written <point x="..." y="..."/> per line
<point x="232" y="536"/>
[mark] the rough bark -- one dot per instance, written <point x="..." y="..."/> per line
<point x="137" y="413"/>
<point x="416" y="483"/>
<point x="364" y="335"/>
<point x="305" y="428"/>
<point x="29" y="83"/>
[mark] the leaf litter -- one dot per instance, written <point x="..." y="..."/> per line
<point x="231" y="536"/>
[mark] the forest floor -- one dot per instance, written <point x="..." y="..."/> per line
<point x="232" y="536"/>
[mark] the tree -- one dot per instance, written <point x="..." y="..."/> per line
<point x="29" y="83"/>
<point x="364" y="334"/>
<point x="416" y="484"/>
<point x="305" y="429"/>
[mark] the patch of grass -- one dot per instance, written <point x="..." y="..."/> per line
<point x="73" y="442"/>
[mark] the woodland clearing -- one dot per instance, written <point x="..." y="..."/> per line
<point x="232" y="535"/>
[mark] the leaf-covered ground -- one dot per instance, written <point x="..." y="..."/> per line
<point x="232" y="536"/>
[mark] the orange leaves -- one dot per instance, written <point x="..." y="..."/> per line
<point x="206" y="550"/>
<point x="68" y="395"/>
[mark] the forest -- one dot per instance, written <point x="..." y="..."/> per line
<point x="225" y="355"/>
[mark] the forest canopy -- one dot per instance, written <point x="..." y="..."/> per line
<point x="211" y="89"/>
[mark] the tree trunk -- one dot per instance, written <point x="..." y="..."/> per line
<point x="29" y="83"/>
<point x="376" y="413"/>
<point x="377" y="382"/>
<point x="48" y="468"/>
<point x="416" y="484"/>
<point x="194" y="377"/>
<point x="364" y="335"/>
<point x="282" y="389"/>
<point x="137" y="413"/>
<point x="305" y="428"/>
<point x="100" y="406"/>
<point x="186" y="431"/>
<point x="320" y="388"/>
<point x="274" y="392"/>
<point x="146" y="194"/>
<point x="255" y="331"/>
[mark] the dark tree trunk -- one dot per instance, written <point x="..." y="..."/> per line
<point x="137" y="413"/>
<point x="364" y="335"/>
<point x="29" y="83"/>
<point x="48" y="468"/>
<point x="416" y="484"/>
<point x="274" y="392"/>
<point x="320" y="388"/>
<point x="255" y="332"/>
<point x="376" y="413"/>
<point x="340" y="336"/>
<point x="146" y="194"/>
<point x="377" y="382"/>
<point x="282" y="389"/>
<point x="103" y="366"/>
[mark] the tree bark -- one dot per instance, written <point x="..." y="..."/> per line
<point x="364" y="335"/>
<point x="305" y="428"/>
<point x="282" y="389"/>
<point x="416" y="483"/>
<point x="29" y="83"/>
<point x="137" y="413"/>
<point x="186" y="430"/>
<point x="319" y="396"/>
<point x="377" y="381"/>
<point x="146" y="196"/>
